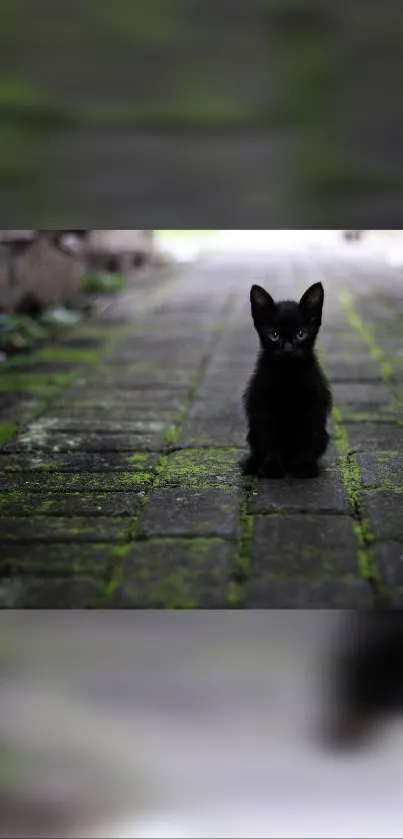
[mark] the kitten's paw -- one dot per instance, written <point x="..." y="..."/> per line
<point x="305" y="469"/>
<point x="248" y="465"/>
<point x="271" y="469"/>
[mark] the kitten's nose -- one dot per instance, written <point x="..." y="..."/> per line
<point x="287" y="347"/>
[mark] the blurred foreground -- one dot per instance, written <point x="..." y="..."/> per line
<point x="184" y="724"/>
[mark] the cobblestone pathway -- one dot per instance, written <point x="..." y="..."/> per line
<point x="122" y="488"/>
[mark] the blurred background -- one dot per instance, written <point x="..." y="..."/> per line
<point x="279" y="113"/>
<point x="183" y="725"/>
<point x="50" y="279"/>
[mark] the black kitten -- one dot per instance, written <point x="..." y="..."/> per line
<point x="288" y="399"/>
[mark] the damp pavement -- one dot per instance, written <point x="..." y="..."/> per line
<point x="119" y="477"/>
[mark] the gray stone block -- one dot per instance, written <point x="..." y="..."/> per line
<point x="191" y="512"/>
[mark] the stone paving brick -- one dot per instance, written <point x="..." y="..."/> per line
<point x="55" y="560"/>
<point x="384" y="510"/>
<point x="315" y="545"/>
<point x="370" y="437"/>
<point x="37" y="593"/>
<point x="82" y="342"/>
<point x="121" y="414"/>
<point x="52" y="482"/>
<point x="202" y="467"/>
<point x="111" y="401"/>
<point x="191" y="512"/>
<point x="83" y="423"/>
<point x="84" y="441"/>
<point x="62" y="504"/>
<point x="46" y="367"/>
<point x="333" y="341"/>
<point x="151" y="377"/>
<point x="176" y="573"/>
<point x="325" y="494"/>
<point x="71" y="462"/>
<point x="213" y="425"/>
<point x="305" y="593"/>
<point x="54" y="529"/>
<point x="389" y="558"/>
<point x="14" y="404"/>
<point x="352" y="368"/>
<point x="360" y="395"/>
<point x="381" y="470"/>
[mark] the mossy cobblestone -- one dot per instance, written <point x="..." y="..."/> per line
<point x="120" y="445"/>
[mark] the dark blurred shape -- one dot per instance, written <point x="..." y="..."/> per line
<point x="353" y="235"/>
<point x="367" y="677"/>
<point x="30" y="305"/>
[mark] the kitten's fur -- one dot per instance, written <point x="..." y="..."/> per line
<point x="288" y="399"/>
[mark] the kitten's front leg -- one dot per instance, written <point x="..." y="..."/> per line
<point x="264" y="459"/>
<point x="313" y="440"/>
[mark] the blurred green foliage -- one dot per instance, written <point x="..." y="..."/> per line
<point x="101" y="283"/>
<point x="297" y="66"/>
<point x="19" y="333"/>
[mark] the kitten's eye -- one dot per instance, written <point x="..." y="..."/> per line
<point x="273" y="335"/>
<point x="301" y="334"/>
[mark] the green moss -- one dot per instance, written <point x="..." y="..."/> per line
<point x="364" y="331"/>
<point x="173" y="591"/>
<point x="32" y="463"/>
<point x="74" y="354"/>
<point x="172" y="435"/>
<point x="138" y="457"/>
<point x="37" y="382"/>
<point x="245" y="538"/>
<point x="127" y="479"/>
<point x="7" y="432"/>
<point x="201" y="467"/>
<point x="102" y="283"/>
<point x="120" y="551"/>
<point x="81" y="531"/>
<point x="353" y="486"/>
<point x="235" y="595"/>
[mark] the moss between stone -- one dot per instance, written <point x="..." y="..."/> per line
<point x="138" y="457"/>
<point x="115" y="570"/>
<point x="351" y="475"/>
<point x="364" y="331"/>
<point x="237" y="589"/>
<point x="235" y="595"/>
<point x="174" y="431"/>
<point x="172" y="434"/>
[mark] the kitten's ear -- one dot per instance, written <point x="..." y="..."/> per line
<point x="261" y="300"/>
<point x="312" y="301"/>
